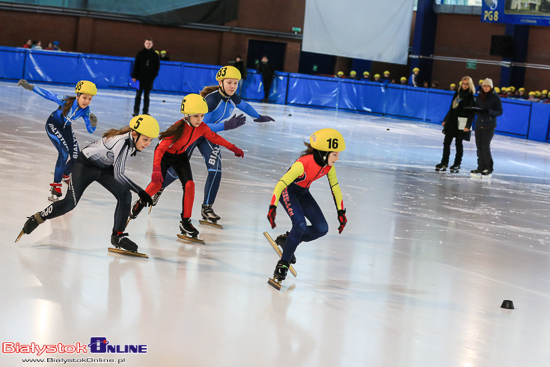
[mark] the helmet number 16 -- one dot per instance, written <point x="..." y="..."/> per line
<point x="332" y="143"/>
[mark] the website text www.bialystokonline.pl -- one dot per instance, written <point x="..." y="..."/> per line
<point x="74" y="360"/>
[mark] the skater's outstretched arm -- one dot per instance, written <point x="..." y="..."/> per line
<point x="216" y="139"/>
<point x="57" y="98"/>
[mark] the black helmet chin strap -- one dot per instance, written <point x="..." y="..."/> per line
<point x="321" y="158"/>
<point x="135" y="144"/>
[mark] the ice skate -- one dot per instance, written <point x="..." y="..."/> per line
<point x="210" y="218"/>
<point x="455" y="168"/>
<point x="475" y="173"/>
<point x="279" y="274"/>
<point x="486" y="174"/>
<point x="280" y="241"/>
<point x="55" y="191"/>
<point x="66" y="179"/>
<point x="156" y="198"/>
<point x="440" y="167"/>
<point x="30" y="225"/>
<point x="136" y="209"/>
<point x="124" y="246"/>
<point x="278" y="251"/>
<point x="189" y="232"/>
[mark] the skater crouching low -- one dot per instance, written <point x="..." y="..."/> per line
<point x="457" y="124"/>
<point x="103" y="161"/>
<point x="292" y="191"/>
<point x="171" y="153"/>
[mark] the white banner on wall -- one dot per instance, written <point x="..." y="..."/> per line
<point x="377" y="30"/>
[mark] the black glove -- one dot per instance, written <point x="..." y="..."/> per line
<point x="234" y="122"/>
<point x="263" y="118"/>
<point x="25" y="84"/>
<point x="93" y="120"/>
<point x="145" y="198"/>
<point x="342" y="219"/>
<point x="478" y="110"/>
<point x="271" y="215"/>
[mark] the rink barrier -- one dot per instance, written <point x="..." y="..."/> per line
<point x="520" y="119"/>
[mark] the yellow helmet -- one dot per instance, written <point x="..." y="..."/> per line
<point x="512" y="88"/>
<point x="340" y="73"/>
<point x="193" y="104"/>
<point x="352" y="72"/>
<point x="403" y="78"/>
<point x="145" y="125"/>
<point x="531" y="93"/>
<point x="386" y="72"/>
<point x="497" y="90"/>
<point x="85" y="87"/>
<point x="521" y="89"/>
<point x="327" y="140"/>
<point x="415" y="70"/>
<point x="545" y="92"/>
<point x="453" y="85"/>
<point x="228" y="72"/>
<point x="480" y="81"/>
<point x="377" y="75"/>
<point x="537" y="93"/>
<point x="366" y="73"/>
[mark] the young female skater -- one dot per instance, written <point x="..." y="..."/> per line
<point x="222" y="101"/>
<point x="172" y="153"/>
<point x="317" y="161"/>
<point x="59" y="127"/>
<point x="104" y="161"/>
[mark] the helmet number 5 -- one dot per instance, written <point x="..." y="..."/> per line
<point x="138" y="121"/>
<point x="332" y="143"/>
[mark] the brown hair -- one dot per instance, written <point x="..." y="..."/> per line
<point x="114" y="132"/>
<point x="308" y="151"/>
<point x="207" y="90"/>
<point x="149" y="39"/>
<point x="175" y="131"/>
<point x="68" y="103"/>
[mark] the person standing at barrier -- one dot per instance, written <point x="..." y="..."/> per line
<point x="239" y="64"/>
<point x="457" y="124"/>
<point x="268" y="73"/>
<point x="413" y="79"/>
<point x="366" y="75"/>
<point x="59" y="127"/>
<point x="146" y="69"/>
<point x="488" y="108"/>
<point x="222" y="101"/>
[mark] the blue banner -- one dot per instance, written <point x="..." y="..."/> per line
<point x="528" y="12"/>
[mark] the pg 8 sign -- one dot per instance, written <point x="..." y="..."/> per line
<point x="491" y="16"/>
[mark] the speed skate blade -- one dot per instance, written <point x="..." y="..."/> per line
<point x="20" y="235"/>
<point x="53" y="198"/>
<point x="128" y="222"/>
<point x="129" y="253"/>
<point x="278" y="251"/>
<point x="211" y="224"/>
<point x="274" y="284"/>
<point x="150" y="208"/>
<point x="191" y="239"/>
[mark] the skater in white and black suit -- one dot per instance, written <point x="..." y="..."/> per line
<point x="104" y="162"/>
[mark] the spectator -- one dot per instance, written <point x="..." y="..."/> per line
<point x="478" y="88"/>
<point x="268" y="73"/>
<point x="425" y="85"/>
<point x="37" y="46"/>
<point x="522" y="93"/>
<point x="435" y="84"/>
<point x="366" y="75"/>
<point x="489" y="107"/>
<point x="146" y="69"/>
<point x="377" y="78"/>
<point x="510" y="93"/>
<point x="56" y="46"/>
<point x="164" y="56"/>
<point x="503" y="93"/>
<point x="386" y="77"/>
<point x="239" y="64"/>
<point x="452" y="87"/>
<point x="544" y="96"/>
<point x="403" y="80"/>
<point x="457" y="124"/>
<point x="497" y="91"/>
<point x="513" y="90"/>
<point x="353" y="75"/>
<point x="413" y="80"/>
<point x="28" y="44"/>
<point x="340" y="74"/>
<point x="50" y="46"/>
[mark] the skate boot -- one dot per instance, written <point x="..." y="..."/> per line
<point x="475" y="173"/>
<point x="280" y="241"/>
<point x="486" y="174"/>
<point x="66" y="179"/>
<point x="156" y="197"/>
<point x="30" y="225"/>
<point x="136" y="209"/>
<point x="455" y="168"/>
<point x="209" y="217"/>
<point x="441" y="167"/>
<point x="188" y="231"/>
<point x="55" y="191"/>
<point x="279" y="274"/>
<point x="120" y="240"/>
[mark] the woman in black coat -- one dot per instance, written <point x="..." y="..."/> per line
<point x="488" y="107"/>
<point x="457" y="124"/>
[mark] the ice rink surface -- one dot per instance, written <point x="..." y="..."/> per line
<point x="416" y="278"/>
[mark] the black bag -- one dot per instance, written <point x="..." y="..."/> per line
<point x="467" y="136"/>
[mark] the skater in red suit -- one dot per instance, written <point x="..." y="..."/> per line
<point x="171" y="152"/>
<point x="292" y="191"/>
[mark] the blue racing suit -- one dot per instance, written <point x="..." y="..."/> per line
<point x="60" y="131"/>
<point x="220" y="108"/>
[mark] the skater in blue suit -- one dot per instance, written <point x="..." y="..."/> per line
<point x="222" y="102"/>
<point x="59" y="127"/>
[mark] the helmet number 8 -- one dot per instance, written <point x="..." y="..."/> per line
<point x="138" y="122"/>
<point x="332" y="143"/>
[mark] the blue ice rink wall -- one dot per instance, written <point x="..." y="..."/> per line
<point x="520" y="119"/>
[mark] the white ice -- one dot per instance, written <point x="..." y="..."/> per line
<point x="417" y="277"/>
